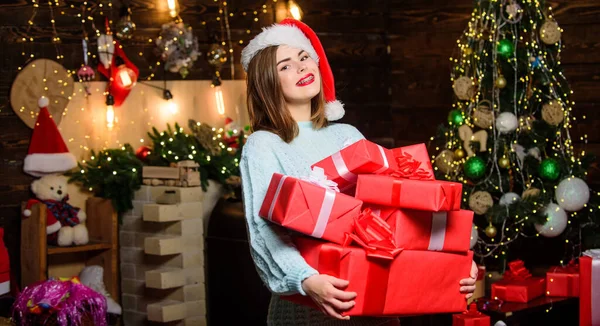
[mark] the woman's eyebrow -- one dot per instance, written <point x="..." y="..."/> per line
<point x="288" y="59"/>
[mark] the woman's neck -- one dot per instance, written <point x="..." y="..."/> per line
<point x="300" y="111"/>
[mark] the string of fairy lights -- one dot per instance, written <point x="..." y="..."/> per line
<point x="487" y="26"/>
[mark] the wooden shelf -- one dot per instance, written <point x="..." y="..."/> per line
<point x="92" y="246"/>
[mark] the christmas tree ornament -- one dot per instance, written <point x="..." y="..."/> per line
<point x="483" y="117"/>
<point x="178" y="47"/>
<point x="553" y="113"/>
<point x="445" y="161"/>
<point x="467" y="50"/>
<point x="514" y="14"/>
<point x="474" y="236"/>
<point x="216" y="55"/>
<point x="491" y="231"/>
<point x="123" y="77"/>
<point x="550" y="32"/>
<point x="509" y="198"/>
<point x="549" y="169"/>
<point x="143" y="152"/>
<point x="535" y="62"/>
<point x="500" y="82"/>
<point x="526" y="123"/>
<point x="504" y="162"/>
<point x="556" y="221"/>
<point x="464" y="88"/>
<point x="506" y="122"/>
<point x="85" y="73"/>
<point x="466" y="134"/>
<point x="459" y="153"/>
<point x="505" y="48"/>
<point x="530" y="193"/>
<point x="480" y="202"/>
<point x="125" y="27"/>
<point x="572" y="194"/>
<point x="474" y="167"/>
<point x="41" y="78"/>
<point x="126" y="77"/>
<point x="455" y="118"/>
<point x="106" y="47"/>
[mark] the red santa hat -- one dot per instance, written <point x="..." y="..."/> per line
<point x="47" y="150"/>
<point x="296" y="34"/>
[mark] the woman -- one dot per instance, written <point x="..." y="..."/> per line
<point x="291" y="99"/>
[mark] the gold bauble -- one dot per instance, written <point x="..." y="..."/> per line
<point x="459" y="153"/>
<point x="491" y="231"/>
<point x="530" y="193"/>
<point x="480" y="202"/>
<point x="553" y="113"/>
<point x="501" y="82"/>
<point x="483" y="117"/>
<point x="444" y="161"/>
<point x="468" y="51"/>
<point x="464" y="88"/>
<point x="550" y="32"/>
<point x="504" y="162"/>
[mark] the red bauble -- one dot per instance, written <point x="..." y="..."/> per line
<point x="143" y="152"/>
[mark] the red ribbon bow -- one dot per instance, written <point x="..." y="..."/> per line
<point x="517" y="271"/>
<point x="373" y="234"/>
<point x="409" y="168"/>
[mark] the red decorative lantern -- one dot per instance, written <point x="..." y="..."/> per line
<point x="143" y="152"/>
<point x="122" y="78"/>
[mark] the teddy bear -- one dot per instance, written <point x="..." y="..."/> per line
<point x="64" y="223"/>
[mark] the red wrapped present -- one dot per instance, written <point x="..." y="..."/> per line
<point x="433" y="196"/>
<point x="414" y="282"/>
<point x="4" y="266"/>
<point x="311" y="207"/>
<point x="563" y="281"/>
<point x="423" y="230"/>
<point x="361" y="157"/>
<point x="471" y="317"/>
<point x="518" y="285"/>
<point x="414" y="161"/>
<point x="589" y="288"/>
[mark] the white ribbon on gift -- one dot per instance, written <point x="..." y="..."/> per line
<point x="595" y="255"/>
<point x="279" y="186"/>
<point x="344" y="172"/>
<point x="438" y="231"/>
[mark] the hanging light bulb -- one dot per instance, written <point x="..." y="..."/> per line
<point x="171" y="105"/>
<point x="173" y="7"/>
<point x="110" y="111"/>
<point x="294" y="10"/>
<point x="216" y="84"/>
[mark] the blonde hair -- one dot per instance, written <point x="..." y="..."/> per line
<point x="266" y="104"/>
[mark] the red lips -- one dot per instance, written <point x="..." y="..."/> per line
<point x="306" y="80"/>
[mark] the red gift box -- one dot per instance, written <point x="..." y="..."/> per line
<point x="414" y="282"/>
<point x="563" y="281"/>
<point x="407" y="155"/>
<point x="4" y="266"/>
<point x="589" y="288"/>
<point x="423" y="230"/>
<point x="362" y="157"/>
<point x="433" y="196"/>
<point x="518" y="285"/>
<point x="471" y="317"/>
<point x="311" y="209"/>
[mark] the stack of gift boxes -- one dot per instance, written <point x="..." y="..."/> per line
<point x="378" y="218"/>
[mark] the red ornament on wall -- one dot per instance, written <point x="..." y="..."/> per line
<point x="143" y="152"/>
<point x="121" y="78"/>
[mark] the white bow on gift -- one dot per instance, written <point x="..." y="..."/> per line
<point x="317" y="177"/>
<point x="594" y="253"/>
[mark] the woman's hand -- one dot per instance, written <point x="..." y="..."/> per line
<point x="468" y="284"/>
<point x="326" y="291"/>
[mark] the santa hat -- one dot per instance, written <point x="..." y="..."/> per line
<point x="296" y="34"/>
<point x="47" y="150"/>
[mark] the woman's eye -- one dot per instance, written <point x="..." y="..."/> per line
<point x="51" y="188"/>
<point x="304" y="58"/>
<point x="284" y="68"/>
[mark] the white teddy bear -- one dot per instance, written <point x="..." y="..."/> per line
<point x="64" y="223"/>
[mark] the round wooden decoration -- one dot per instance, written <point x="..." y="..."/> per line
<point x="483" y="117"/>
<point x="464" y="88"/>
<point x="550" y="32"/>
<point x="41" y="77"/>
<point x="444" y="161"/>
<point x="552" y="113"/>
<point x="480" y="202"/>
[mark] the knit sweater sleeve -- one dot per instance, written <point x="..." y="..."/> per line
<point x="278" y="261"/>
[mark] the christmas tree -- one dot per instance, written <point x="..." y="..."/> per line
<point x="507" y="138"/>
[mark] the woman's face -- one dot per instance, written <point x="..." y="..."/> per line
<point x="298" y="74"/>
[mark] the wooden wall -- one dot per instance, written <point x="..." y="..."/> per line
<point x="389" y="57"/>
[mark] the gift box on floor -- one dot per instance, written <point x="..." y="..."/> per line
<point x="316" y="210"/>
<point x="4" y="266"/>
<point x="589" y="288"/>
<point x="563" y="281"/>
<point x="518" y="285"/>
<point x="479" y="285"/>
<point x="471" y="317"/>
<point x="423" y="230"/>
<point x="361" y="157"/>
<point x="433" y="196"/>
<point x="415" y="161"/>
<point x="414" y="282"/>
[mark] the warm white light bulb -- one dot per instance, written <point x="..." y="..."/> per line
<point x="219" y="100"/>
<point x="172" y="107"/>
<point x="295" y="10"/>
<point x="172" y="4"/>
<point x="125" y="79"/>
<point x="110" y="116"/>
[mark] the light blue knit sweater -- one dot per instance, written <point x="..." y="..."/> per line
<point x="279" y="264"/>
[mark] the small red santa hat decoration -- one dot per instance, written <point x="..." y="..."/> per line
<point x="47" y="153"/>
<point x="296" y="34"/>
